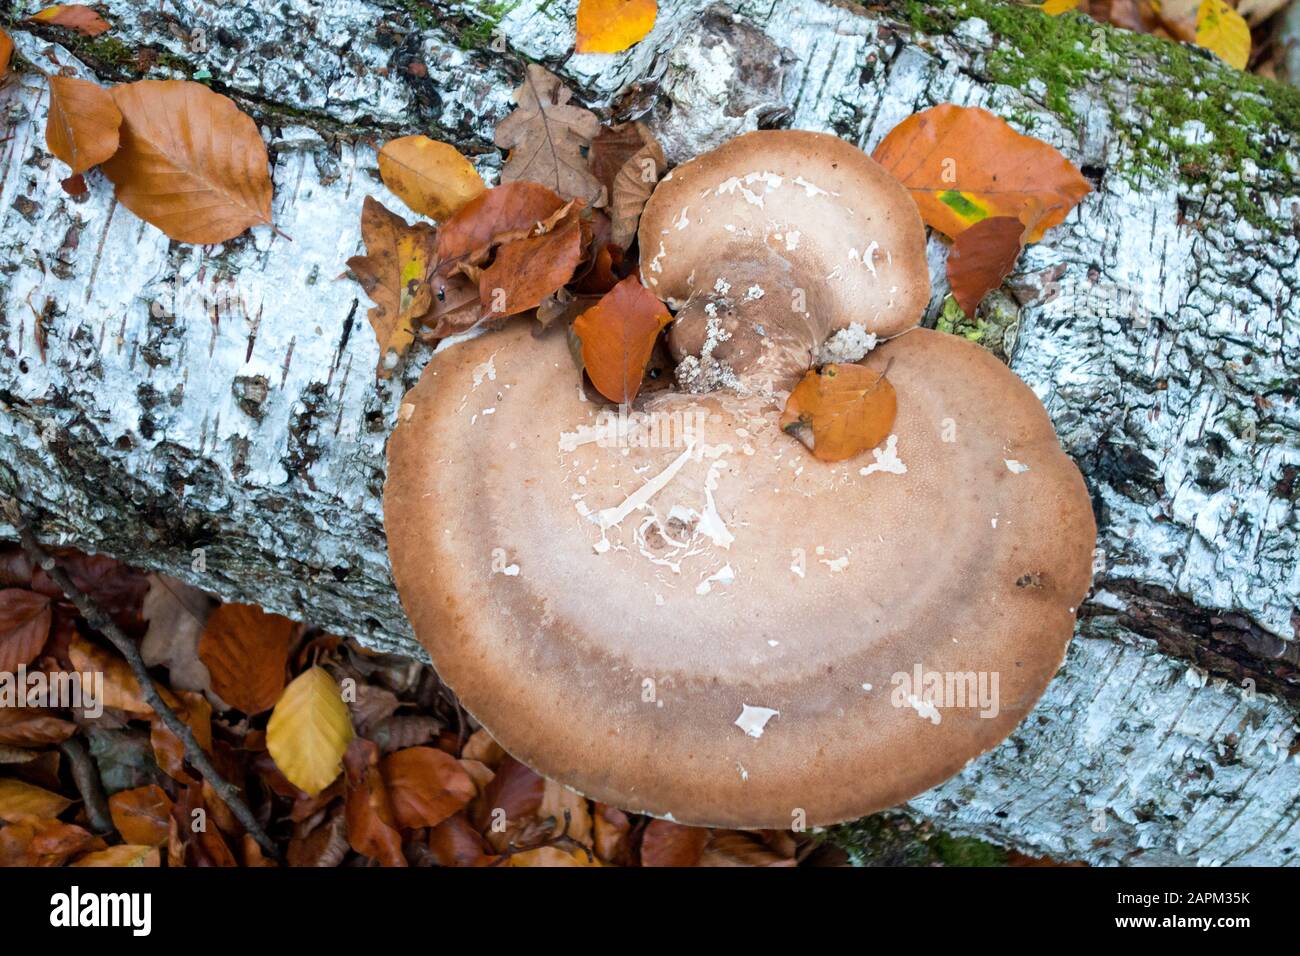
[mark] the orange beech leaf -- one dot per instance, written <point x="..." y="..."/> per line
<point x="425" y="786"/>
<point x="737" y="848"/>
<point x="83" y="127"/>
<point x="120" y="856"/>
<point x="43" y="843"/>
<point x="628" y="161"/>
<point x="550" y="856"/>
<point x="964" y="164"/>
<point x="24" y="801"/>
<point x="372" y="827"/>
<point x="246" y="651"/>
<point x="191" y="844"/>
<point x="618" y="334"/>
<point x="839" y="411"/>
<point x="546" y="135"/>
<point x="981" y="257"/>
<point x="517" y="792"/>
<point x="190" y="161"/>
<point x="510" y="211"/>
<point x="32" y="727"/>
<point x="25" y="618"/>
<point x="670" y="844"/>
<point x="610" y="26"/>
<point x="142" y="815"/>
<point x="73" y="16"/>
<point x="6" y="53"/>
<point x="121" y="689"/>
<point x="432" y="178"/>
<point x="526" y="271"/>
<point x="610" y="830"/>
<point x="395" y="274"/>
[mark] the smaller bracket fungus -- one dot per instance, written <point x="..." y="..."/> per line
<point x="771" y="243"/>
<point x="678" y="609"/>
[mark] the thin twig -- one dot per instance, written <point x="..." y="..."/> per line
<point x="128" y="648"/>
<point x="86" y="777"/>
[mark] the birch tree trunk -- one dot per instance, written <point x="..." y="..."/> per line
<point x="212" y="412"/>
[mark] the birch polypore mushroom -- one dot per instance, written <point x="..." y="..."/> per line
<point x="770" y="244"/>
<point x="679" y="610"/>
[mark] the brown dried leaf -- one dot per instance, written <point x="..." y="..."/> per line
<point x="670" y="844"/>
<point x="395" y="274"/>
<point x="546" y="136"/>
<point x="455" y="842"/>
<point x="142" y="815"/>
<point x="372" y="827"/>
<point x="190" y="162"/>
<point x="981" y="257"/>
<point x="177" y="614"/>
<point x="618" y="335"/>
<point x="425" y="786"/>
<point x="73" y="16"/>
<point x="122" y="855"/>
<point x="510" y="211"/>
<point x="32" y="727"/>
<point x="168" y="750"/>
<point x="526" y="271"/>
<point x="83" y="125"/>
<point x="25" y="618"/>
<point x="246" y="651"/>
<point x="23" y="801"/>
<point x="628" y="161"/>
<point x="839" y="411"/>
<point x="43" y="843"/>
<point x="121" y="689"/>
<point x="735" y="848"/>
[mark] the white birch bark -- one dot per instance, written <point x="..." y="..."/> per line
<point x="164" y="402"/>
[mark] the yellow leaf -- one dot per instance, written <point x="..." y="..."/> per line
<point x="431" y="177"/>
<point x="609" y="26"/>
<point x="309" y="731"/>
<point x="127" y="854"/>
<point x="1223" y="31"/>
<point x="1054" y="8"/>
<point x="23" y="801"/>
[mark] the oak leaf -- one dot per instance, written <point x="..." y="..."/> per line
<point x="246" y="651"/>
<point x="141" y="815"/>
<point x="546" y="135"/>
<point x="25" y="618"/>
<point x="309" y="731"/>
<point x="395" y="274"/>
<point x="83" y="125"/>
<point x="839" y="411"/>
<point x="24" y="801"/>
<point x="73" y="16"/>
<point x="425" y="786"/>
<point x="618" y="334"/>
<point x="963" y="164"/>
<point x="176" y="614"/>
<point x="432" y="178"/>
<point x="190" y="162"/>
<point x="981" y="257"/>
<point x="610" y="26"/>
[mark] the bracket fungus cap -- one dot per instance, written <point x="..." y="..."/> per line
<point x="681" y="612"/>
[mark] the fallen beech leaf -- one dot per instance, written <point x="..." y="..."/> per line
<point x="455" y="842"/>
<point x="610" y="830"/>
<point x="83" y="126"/>
<point x="121" y="856"/>
<point x="628" y="161"/>
<point x="190" y="162"/>
<point x="6" y="53"/>
<point x="526" y="271"/>
<point x="31" y="726"/>
<point x="847" y="408"/>
<point x="309" y="731"/>
<point x="981" y="257"/>
<point x="141" y="815"/>
<point x="394" y="272"/>
<point x="121" y="689"/>
<point x="73" y="16"/>
<point x="425" y="786"/>
<point x="1054" y="8"/>
<point x="670" y="844"/>
<point x="570" y="812"/>
<point x="963" y="164"/>
<point x="197" y="846"/>
<point x="372" y="827"/>
<point x="735" y="848"/>
<point x="484" y="749"/>
<point x="618" y="334"/>
<point x="433" y="178"/>
<point x="74" y="185"/>
<point x="455" y="305"/>
<point x="551" y="856"/>
<point x="246" y="651"/>
<point x="610" y="26"/>
<point x="508" y="212"/>
<point x="176" y="614"/>
<point x="24" y="801"/>
<point x="42" y="843"/>
<point x="515" y="791"/>
<point x="324" y="845"/>
<point x="25" y="618"/>
<point x="1224" y="32"/>
<point x="117" y="588"/>
<point x="546" y="135"/>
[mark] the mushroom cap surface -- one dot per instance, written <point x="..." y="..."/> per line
<point x="711" y="628"/>
<point x="790" y="201"/>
